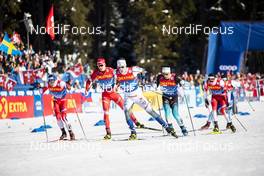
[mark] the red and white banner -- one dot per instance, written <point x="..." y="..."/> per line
<point x="2" y="80"/>
<point x="10" y="84"/>
<point x="39" y="73"/>
<point x="7" y="83"/>
<point x="28" y="77"/>
<point x="76" y="70"/>
<point x="73" y="101"/>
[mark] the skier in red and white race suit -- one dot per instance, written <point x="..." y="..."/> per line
<point x="58" y="89"/>
<point x="127" y="81"/>
<point x="105" y="77"/>
<point x="218" y="90"/>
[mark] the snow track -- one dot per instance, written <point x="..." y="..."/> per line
<point x="24" y="153"/>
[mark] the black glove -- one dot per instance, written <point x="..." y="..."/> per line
<point x="206" y="103"/>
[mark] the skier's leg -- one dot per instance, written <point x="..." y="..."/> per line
<point x="175" y="112"/>
<point x="143" y="103"/>
<point x="214" y="103"/>
<point x="63" y="111"/>
<point x="228" y="115"/>
<point x="128" y="104"/>
<point x="167" y="109"/>
<point x="56" y="108"/>
<point x="120" y="102"/>
<point x="106" y="107"/>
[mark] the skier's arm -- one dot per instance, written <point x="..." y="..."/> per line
<point x="68" y="85"/>
<point x="89" y="82"/>
<point x="136" y="70"/>
<point x="206" y="101"/>
<point x="116" y="86"/>
<point x="43" y="90"/>
<point x="158" y="80"/>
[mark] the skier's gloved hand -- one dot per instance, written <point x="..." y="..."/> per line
<point x="86" y="92"/>
<point x="206" y="103"/>
<point x="180" y="91"/>
<point x="182" y="82"/>
<point x="70" y="91"/>
<point x="41" y="91"/>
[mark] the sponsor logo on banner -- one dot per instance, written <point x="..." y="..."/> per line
<point x="19" y="106"/>
<point x="228" y="67"/>
<point x="72" y="102"/>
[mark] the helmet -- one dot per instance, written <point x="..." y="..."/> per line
<point x="51" y="78"/>
<point x="211" y="77"/>
<point x="166" y="70"/>
<point x="121" y="63"/>
<point x="100" y="60"/>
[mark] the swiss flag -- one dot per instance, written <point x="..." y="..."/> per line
<point x="16" y="38"/>
<point x="2" y="80"/>
<point x="28" y="77"/>
<point x="10" y="84"/>
<point x="76" y="70"/>
<point x="50" y="24"/>
<point x="39" y="73"/>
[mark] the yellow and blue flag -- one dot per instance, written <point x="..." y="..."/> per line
<point x="8" y="47"/>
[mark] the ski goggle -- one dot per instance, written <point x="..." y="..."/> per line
<point x="51" y="81"/>
<point x="211" y="78"/>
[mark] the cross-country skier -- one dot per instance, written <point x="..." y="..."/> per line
<point x="232" y="86"/>
<point x="105" y="77"/>
<point x="128" y="83"/>
<point x="219" y="97"/>
<point x="58" y="89"/>
<point x="169" y="85"/>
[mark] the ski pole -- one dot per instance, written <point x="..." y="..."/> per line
<point x="79" y="118"/>
<point x="240" y="122"/>
<point x="189" y="113"/>
<point x="250" y="105"/>
<point x="44" y="120"/>
<point x="160" y="112"/>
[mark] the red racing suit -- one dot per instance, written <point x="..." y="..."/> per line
<point x="107" y="81"/>
<point x="219" y="94"/>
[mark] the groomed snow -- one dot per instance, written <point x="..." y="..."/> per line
<point x="23" y="153"/>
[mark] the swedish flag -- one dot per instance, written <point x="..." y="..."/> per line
<point x="8" y="47"/>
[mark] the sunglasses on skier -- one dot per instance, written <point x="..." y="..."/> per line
<point x="100" y="65"/>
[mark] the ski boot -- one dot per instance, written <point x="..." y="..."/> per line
<point x="216" y="128"/>
<point x="171" y="131"/>
<point x="140" y="125"/>
<point x="206" y="126"/>
<point x="184" y="131"/>
<point x="63" y="135"/>
<point x="108" y="135"/>
<point x="230" y="126"/>
<point x="72" y="136"/>
<point x="133" y="135"/>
